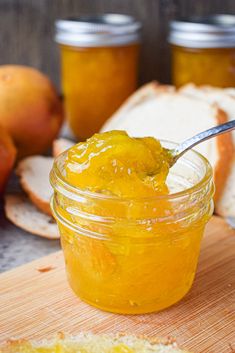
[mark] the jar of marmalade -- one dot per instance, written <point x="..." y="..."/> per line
<point x="203" y="50"/>
<point x="99" y="60"/>
<point x="133" y="255"/>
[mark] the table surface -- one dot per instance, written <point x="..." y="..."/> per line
<point x="18" y="247"/>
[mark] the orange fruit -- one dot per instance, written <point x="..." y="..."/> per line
<point x="30" y="108"/>
<point x="7" y="157"/>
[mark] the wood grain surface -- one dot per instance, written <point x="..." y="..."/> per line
<point x="36" y="302"/>
<point x="27" y="29"/>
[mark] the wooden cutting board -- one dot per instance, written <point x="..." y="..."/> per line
<point x="36" y="302"/>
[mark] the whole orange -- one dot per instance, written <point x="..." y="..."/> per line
<point x="30" y="108"/>
<point x="7" y="157"/>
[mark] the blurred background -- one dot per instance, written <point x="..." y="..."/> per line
<point x="27" y="29"/>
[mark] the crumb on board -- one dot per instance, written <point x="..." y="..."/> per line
<point x="43" y="269"/>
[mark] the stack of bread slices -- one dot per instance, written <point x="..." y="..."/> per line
<point x="155" y="110"/>
<point x="31" y="210"/>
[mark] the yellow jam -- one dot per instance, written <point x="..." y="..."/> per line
<point x="95" y="82"/>
<point x="213" y="66"/>
<point x="128" y="247"/>
<point x="116" y="164"/>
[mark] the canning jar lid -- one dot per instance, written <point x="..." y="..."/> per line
<point x="215" y="31"/>
<point x="98" y="30"/>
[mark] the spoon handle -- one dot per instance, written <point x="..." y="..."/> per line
<point x="202" y="136"/>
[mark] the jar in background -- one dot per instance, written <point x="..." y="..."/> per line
<point x="134" y="255"/>
<point x="203" y="50"/>
<point x="99" y="62"/>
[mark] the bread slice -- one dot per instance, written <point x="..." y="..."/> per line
<point x="175" y="116"/>
<point x="213" y="95"/>
<point x="60" y="145"/>
<point x="34" y="178"/>
<point x="90" y="343"/>
<point x="230" y="91"/>
<point x="225" y="98"/>
<point x="20" y="211"/>
<point x="142" y="95"/>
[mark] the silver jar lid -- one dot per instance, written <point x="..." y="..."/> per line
<point x="216" y="31"/>
<point x="98" y="30"/>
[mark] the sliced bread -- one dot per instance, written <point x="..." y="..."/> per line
<point x="230" y="91"/>
<point x="225" y="205"/>
<point x="175" y="116"/>
<point x="87" y="342"/>
<point x="142" y="95"/>
<point x="20" y="211"/>
<point x="213" y="95"/>
<point x="60" y="145"/>
<point x="34" y="178"/>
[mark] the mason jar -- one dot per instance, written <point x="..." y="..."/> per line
<point x="203" y="50"/>
<point x="136" y="255"/>
<point x="99" y="67"/>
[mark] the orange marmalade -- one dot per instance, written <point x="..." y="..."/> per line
<point x="130" y="229"/>
<point x="95" y="83"/>
<point x="215" y="66"/>
<point x="203" y="50"/>
<point x="99" y="64"/>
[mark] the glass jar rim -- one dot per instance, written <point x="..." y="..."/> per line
<point x="97" y="30"/>
<point x="56" y="176"/>
<point x="214" y="31"/>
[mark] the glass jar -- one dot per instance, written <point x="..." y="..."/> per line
<point x="134" y="255"/>
<point x="99" y="61"/>
<point x="203" y="50"/>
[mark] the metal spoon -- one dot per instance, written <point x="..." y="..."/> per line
<point x="183" y="147"/>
